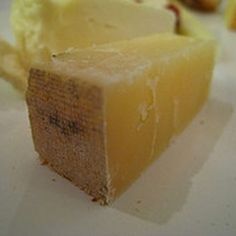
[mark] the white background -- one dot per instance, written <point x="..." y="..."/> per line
<point x="190" y="190"/>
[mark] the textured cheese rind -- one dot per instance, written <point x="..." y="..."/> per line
<point x="67" y="127"/>
<point x="135" y="115"/>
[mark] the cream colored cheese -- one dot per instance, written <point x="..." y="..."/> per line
<point x="45" y="27"/>
<point x="142" y="92"/>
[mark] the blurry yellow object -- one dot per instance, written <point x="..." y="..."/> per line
<point x="44" y="27"/>
<point x="187" y="23"/>
<point x="11" y="67"/>
<point x="230" y="14"/>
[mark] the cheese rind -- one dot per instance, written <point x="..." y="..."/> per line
<point x="140" y="93"/>
<point x="68" y="129"/>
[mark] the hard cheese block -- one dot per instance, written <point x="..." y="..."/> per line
<point x="100" y="116"/>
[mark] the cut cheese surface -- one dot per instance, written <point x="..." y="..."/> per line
<point x="100" y="116"/>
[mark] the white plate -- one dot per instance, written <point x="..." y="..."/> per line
<point x="190" y="190"/>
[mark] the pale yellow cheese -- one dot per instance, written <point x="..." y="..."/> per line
<point x="101" y="115"/>
<point x="187" y="23"/>
<point x="203" y="5"/>
<point x="45" y="27"/>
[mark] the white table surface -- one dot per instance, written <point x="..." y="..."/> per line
<point x="190" y="190"/>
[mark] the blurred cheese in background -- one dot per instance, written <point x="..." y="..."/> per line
<point x="230" y="14"/>
<point x="43" y="27"/>
<point x="11" y="66"/>
<point x="188" y="24"/>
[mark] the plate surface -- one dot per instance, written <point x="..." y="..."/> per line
<point x="190" y="190"/>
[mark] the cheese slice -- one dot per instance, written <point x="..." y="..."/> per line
<point x="45" y="27"/>
<point x="100" y="116"/>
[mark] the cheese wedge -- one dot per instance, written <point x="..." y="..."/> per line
<point x="100" y="116"/>
<point x="45" y="27"/>
<point x="230" y="14"/>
